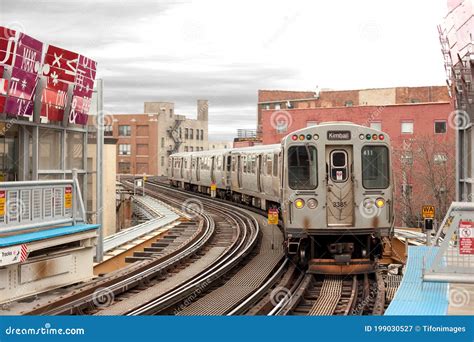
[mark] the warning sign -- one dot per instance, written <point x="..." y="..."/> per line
<point x="68" y="197"/>
<point x="3" y="199"/>
<point x="466" y="237"/>
<point x="272" y="216"/>
<point x="13" y="255"/>
<point x="428" y="211"/>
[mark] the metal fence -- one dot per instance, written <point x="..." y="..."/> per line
<point x="35" y="204"/>
<point x="454" y="258"/>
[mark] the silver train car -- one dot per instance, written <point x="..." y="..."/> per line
<point x="332" y="184"/>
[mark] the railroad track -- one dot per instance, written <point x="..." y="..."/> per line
<point x="325" y="295"/>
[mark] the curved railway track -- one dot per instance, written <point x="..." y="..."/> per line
<point x="218" y="225"/>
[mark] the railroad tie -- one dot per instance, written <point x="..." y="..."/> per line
<point x="328" y="298"/>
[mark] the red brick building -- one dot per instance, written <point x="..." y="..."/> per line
<point x="417" y="120"/>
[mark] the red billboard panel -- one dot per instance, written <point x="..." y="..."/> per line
<point x="63" y="71"/>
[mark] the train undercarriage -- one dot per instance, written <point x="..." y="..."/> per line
<point x="335" y="254"/>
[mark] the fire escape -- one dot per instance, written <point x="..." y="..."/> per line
<point x="174" y="134"/>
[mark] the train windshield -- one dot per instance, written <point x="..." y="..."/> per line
<point x="302" y="167"/>
<point x="375" y="168"/>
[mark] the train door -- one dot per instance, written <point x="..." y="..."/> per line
<point x="181" y="167"/>
<point x="213" y="171"/>
<point x="259" y="172"/>
<point x="340" y="190"/>
<point x="198" y="168"/>
<point x="228" y="162"/>
<point x="239" y="171"/>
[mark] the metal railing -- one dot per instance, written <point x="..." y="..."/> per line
<point x="36" y="204"/>
<point x="452" y="262"/>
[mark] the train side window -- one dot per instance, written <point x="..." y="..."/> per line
<point x="302" y="167"/>
<point x="269" y="165"/>
<point x="375" y="167"/>
<point x="234" y="161"/>
<point x="244" y="162"/>
<point x="275" y="165"/>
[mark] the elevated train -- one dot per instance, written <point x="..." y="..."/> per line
<point x="332" y="184"/>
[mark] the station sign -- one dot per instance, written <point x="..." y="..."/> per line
<point x="466" y="237"/>
<point x="339" y="135"/>
<point x="13" y="255"/>
<point x="273" y="216"/>
<point x="3" y="201"/>
<point x="428" y="212"/>
<point x="68" y="197"/>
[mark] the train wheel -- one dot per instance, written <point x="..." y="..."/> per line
<point x="303" y="254"/>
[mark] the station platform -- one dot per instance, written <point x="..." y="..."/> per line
<point x="418" y="297"/>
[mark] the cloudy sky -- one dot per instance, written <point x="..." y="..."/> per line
<point x="224" y="51"/>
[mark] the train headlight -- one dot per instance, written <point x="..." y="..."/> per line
<point x="361" y="136"/>
<point x="299" y="203"/>
<point x="380" y="202"/>
<point x="316" y="137"/>
<point x="312" y="203"/>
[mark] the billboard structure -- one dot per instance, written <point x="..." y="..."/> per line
<point x="36" y="79"/>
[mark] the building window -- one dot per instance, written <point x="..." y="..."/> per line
<point x="311" y="123"/>
<point x="376" y="125"/>
<point x="142" y="150"/>
<point x="124" y="167"/>
<point x="407" y="157"/>
<point x="440" y="127"/>
<point x="191" y="133"/>
<point x="348" y="103"/>
<point x="171" y="112"/>
<point x="415" y="101"/>
<point x="185" y="148"/>
<point x="108" y="130"/>
<point x="125" y="149"/>
<point x="407" y="190"/>
<point x="142" y="130"/>
<point x="186" y="133"/>
<point x="197" y="134"/>
<point x="202" y="134"/>
<point x="407" y="127"/>
<point x="277" y="106"/>
<point x="267" y="106"/>
<point x="190" y="149"/>
<point x="125" y="130"/>
<point x="440" y="158"/>
<point x="162" y="161"/>
<point x="180" y="133"/>
<point x="142" y="168"/>
<point x="162" y="142"/>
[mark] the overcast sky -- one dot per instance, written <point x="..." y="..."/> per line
<point x="224" y="51"/>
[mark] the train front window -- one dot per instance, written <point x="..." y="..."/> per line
<point x="375" y="168"/>
<point x="302" y="167"/>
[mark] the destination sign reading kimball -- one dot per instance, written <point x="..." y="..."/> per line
<point x="339" y="135"/>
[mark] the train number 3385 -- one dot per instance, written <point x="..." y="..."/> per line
<point x="339" y="204"/>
